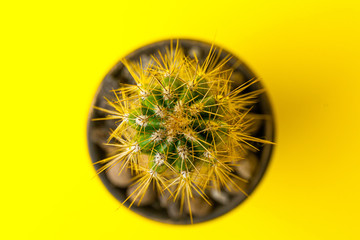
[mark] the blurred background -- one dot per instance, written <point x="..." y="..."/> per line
<point x="55" y="54"/>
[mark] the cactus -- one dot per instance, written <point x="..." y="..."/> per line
<point x="181" y="126"/>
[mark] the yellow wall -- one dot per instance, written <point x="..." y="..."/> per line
<point x="54" y="55"/>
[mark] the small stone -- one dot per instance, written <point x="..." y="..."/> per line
<point x="109" y="85"/>
<point x="99" y="135"/>
<point x="109" y="150"/>
<point x="165" y="198"/>
<point x="118" y="179"/>
<point x="145" y="60"/>
<point x="173" y="210"/>
<point x="195" y="51"/>
<point x="126" y="75"/>
<point x="199" y="207"/>
<point x="247" y="166"/>
<point x="146" y="198"/>
<point x="219" y="196"/>
<point x="237" y="79"/>
<point x="110" y="125"/>
<point x="254" y="125"/>
<point x="235" y="187"/>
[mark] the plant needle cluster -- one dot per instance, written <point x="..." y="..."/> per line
<point x="181" y="127"/>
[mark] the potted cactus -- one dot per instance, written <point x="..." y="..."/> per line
<point x="179" y="128"/>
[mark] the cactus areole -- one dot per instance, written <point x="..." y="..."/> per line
<point x="181" y="124"/>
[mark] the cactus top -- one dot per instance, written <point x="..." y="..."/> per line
<point x="181" y="125"/>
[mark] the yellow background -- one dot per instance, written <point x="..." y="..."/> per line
<point x="54" y="55"/>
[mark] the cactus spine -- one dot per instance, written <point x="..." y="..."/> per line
<point x="180" y="126"/>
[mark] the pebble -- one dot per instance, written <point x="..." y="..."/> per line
<point x="195" y="51"/>
<point x="145" y="60"/>
<point x="247" y="166"/>
<point x="126" y="76"/>
<point x="172" y="207"/>
<point x="233" y="188"/>
<point x="173" y="210"/>
<point x="109" y="150"/>
<point x="109" y="85"/>
<point x="147" y="199"/>
<point x="254" y="126"/>
<point x="99" y="135"/>
<point x="166" y="197"/>
<point x="199" y="207"/>
<point x="219" y="196"/>
<point x="237" y="79"/>
<point x="119" y="180"/>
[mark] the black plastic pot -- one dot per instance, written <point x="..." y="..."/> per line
<point x="119" y="74"/>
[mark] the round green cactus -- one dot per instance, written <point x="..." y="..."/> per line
<point x="181" y="126"/>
